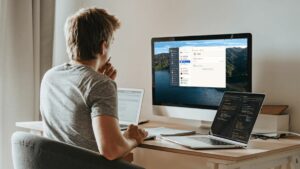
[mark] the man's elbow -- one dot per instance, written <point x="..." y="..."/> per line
<point x="110" y="153"/>
<point x="110" y="156"/>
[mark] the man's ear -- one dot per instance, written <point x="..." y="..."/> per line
<point x="103" y="47"/>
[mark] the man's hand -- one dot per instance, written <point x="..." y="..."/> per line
<point x="108" y="70"/>
<point x="133" y="132"/>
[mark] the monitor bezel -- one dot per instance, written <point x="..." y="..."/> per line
<point x="248" y="36"/>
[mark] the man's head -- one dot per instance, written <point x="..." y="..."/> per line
<point x="89" y="33"/>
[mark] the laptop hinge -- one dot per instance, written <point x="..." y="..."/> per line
<point x="229" y="141"/>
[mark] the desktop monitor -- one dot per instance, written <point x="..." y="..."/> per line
<point x="191" y="73"/>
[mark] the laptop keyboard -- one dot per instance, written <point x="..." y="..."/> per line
<point x="123" y="126"/>
<point x="210" y="141"/>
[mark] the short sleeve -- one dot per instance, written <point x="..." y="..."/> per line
<point x="102" y="99"/>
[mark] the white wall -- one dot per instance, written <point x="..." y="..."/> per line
<point x="274" y="25"/>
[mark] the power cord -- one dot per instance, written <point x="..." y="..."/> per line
<point x="274" y="135"/>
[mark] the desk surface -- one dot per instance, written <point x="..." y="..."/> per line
<point x="256" y="148"/>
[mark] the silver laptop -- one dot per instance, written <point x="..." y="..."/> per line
<point x="129" y="106"/>
<point x="232" y="125"/>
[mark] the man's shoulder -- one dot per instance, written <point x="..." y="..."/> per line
<point x="82" y="75"/>
<point x="100" y="80"/>
<point x="94" y="80"/>
<point x="51" y="72"/>
<point x="55" y="69"/>
<point x="96" y="77"/>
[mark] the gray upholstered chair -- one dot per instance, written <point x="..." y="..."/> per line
<point x="34" y="152"/>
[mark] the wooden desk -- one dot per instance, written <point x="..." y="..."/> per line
<point x="282" y="153"/>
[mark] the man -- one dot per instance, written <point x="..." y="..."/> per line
<point x="79" y="98"/>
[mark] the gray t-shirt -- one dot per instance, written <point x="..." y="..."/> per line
<point x="71" y="95"/>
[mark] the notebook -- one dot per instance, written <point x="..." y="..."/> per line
<point x="232" y="125"/>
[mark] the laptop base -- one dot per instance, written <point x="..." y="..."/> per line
<point x="199" y="142"/>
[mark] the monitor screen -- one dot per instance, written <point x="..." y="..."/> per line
<point x="194" y="71"/>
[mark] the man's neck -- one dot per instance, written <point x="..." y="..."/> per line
<point x="91" y="63"/>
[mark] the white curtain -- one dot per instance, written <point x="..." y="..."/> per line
<point x="24" y="56"/>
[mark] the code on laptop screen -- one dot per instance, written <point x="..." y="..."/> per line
<point x="236" y="116"/>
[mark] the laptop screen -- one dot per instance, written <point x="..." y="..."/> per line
<point x="236" y="116"/>
<point x="129" y="105"/>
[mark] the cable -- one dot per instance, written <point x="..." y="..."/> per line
<point x="279" y="132"/>
<point x="289" y="132"/>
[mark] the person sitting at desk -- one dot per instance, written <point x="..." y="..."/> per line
<point x="78" y="100"/>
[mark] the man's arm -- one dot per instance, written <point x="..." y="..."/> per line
<point x="110" y="141"/>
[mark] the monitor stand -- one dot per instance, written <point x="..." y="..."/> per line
<point x="204" y="116"/>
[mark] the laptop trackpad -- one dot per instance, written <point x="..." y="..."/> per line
<point x="189" y="141"/>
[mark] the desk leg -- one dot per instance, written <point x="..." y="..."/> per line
<point x="128" y="158"/>
<point x="212" y="165"/>
<point x="294" y="162"/>
<point x="223" y="166"/>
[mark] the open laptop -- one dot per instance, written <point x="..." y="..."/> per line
<point x="129" y="106"/>
<point x="232" y="125"/>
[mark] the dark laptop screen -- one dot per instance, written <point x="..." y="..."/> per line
<point x="236" y="116"/>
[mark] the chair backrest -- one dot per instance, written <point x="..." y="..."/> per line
<point x="35" y="152"/>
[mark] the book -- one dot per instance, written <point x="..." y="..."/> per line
<point x="274" y="109"/>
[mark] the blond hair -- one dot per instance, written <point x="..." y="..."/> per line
<point x="86" y="30"/>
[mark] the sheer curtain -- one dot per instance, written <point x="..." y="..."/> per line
<point x="26" y="33"/>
